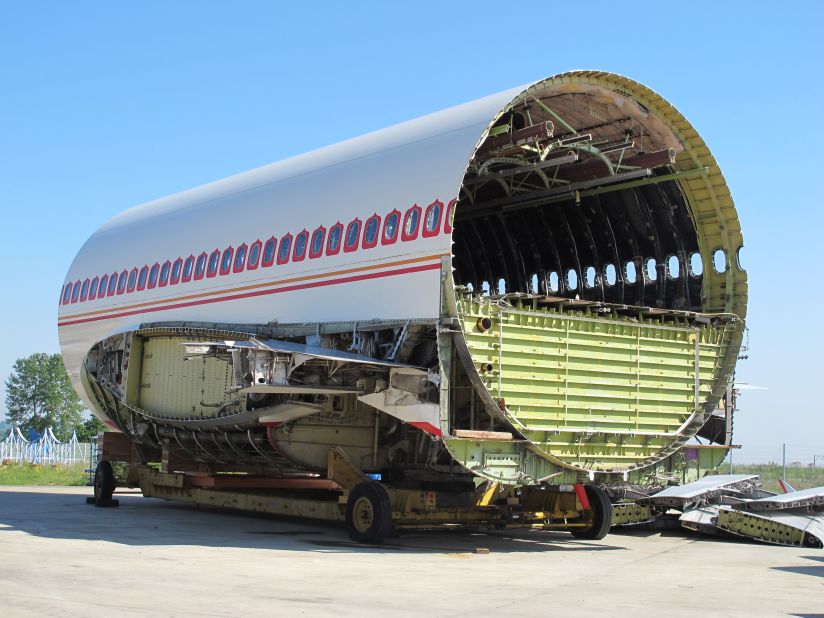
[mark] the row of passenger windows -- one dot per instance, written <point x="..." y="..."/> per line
<point x="630" y="275"/>
<point x="356" y="235"/>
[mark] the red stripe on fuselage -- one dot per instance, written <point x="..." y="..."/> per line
<point x="288" y="288"/>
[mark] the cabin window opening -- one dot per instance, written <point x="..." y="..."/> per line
<point x="411" y="223"/>
<point x="121" y="282"/>
<point x="84" y="290"/>
<point x="673" y="267"/>
<point x="610" y="274"/>
<point x="485" y="288"/>
<point x="589" y="278"/>
<point x="554" y="281"/>
<point x="177" y="267"/>
<point x="696" y="264"/>
<point x="630" y="272"/>
<point x="316" y="245"/>
<point x="533" y="284"/>
<point x="285" y="247"/>
<point x="301" y="240"/>
<point x="76" y="291"/>
<point x="333" y="246"/>
<point x="104" y="283"/>
<point x="390" y="227"/>
<point x="269" y="252"/>
<point x="226" y="260"/>
<point x="572" y="279"/>
<point x="214" y="262"/>
<point x="188" y="267"/>
<point x="200" y="267"/>
<point x="67" y="293"/>
<point x="352" y="235"/>
<point x="501" y="286"/>
<point x="141" y="278"/>
<point x="112" y="285"/>
<point x="370" y="232"/>
<point x="738" y="261"/>
<point x="254" y="255"/>
<point x="240" y="258"/>
<point x="164" y="273"/>
<point x="719" y="261"/>
<point x="154" y="271"/>
<point x="93" y="288"/>
<point x="432" y="219"/>
<point x="449" y="220"/>
<point x="652" y="269"/>
<point x="132" y="280"/>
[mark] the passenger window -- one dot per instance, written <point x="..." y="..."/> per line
<point x="104" y="283"/>
<point x="112" y="285"/>
<point x="141" y="279"/>
<point x="738" y="261"/>
<point x="630" y="273"/>
<point x="84" y="290"/>
<point x="76" y="291"/>
<point x="652" y="270"/>
<point x="673" y="267"/>
<point x="316" y="246"/>
<point x="240" y="258"/>
<point x="177" y="267"/>
<point x="333" y="246"/>
<point x="390" y="227"/>
<point x="214" y="259"/>
<point x="301" y="241"/>
<point x="67" y="293"/>
<point x="696" y="264"/>
<point x="352" y="235"/>
<point x="590" y="277"/>
<point x="719" y="261"/>
<point x="188" y="267"/>
<point x="572" y="279"/>
<point x="554" y="281"/>
<point x="226" y="261"/>
<point x="611" y="274"/>
<point x="254" y="255"/>
<point x="370" y="233"/>
<point x="200" y="268"/>
<point x="132" y="280"/>
<point x="269" y="252"/>
<point x="285" y="247"/>
<point x="121" y="282"/>
<point x="432" y="220"/>
<point x="450" y="217"/>
<point x="164" y="273"/>
<point x="93" y="288"/>
<point x="410" y="223"/>
<point x="153" y="273"/>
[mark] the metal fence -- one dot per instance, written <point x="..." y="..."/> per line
<point x="46" y="449"/>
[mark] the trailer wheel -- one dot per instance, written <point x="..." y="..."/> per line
<point x="601" y="515"/>
<point x="368" y="513"/>
<point x="104" y="483"/>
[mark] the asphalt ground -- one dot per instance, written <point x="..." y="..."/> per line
<point x="62" y="557"/>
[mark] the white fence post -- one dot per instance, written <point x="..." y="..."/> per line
<point x="47" y="449"/>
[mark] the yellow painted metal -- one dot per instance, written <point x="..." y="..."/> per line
<point x="174" y="387"/>
<point x="599" y="392"/>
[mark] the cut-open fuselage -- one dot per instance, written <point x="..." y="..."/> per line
<point x="536" y="285"/>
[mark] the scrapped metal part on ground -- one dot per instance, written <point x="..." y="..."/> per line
<point x="734" y="504"/>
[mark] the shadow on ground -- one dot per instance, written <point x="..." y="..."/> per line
<point x="60" y="514"/>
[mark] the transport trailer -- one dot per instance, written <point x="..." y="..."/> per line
<point x="371" y="510"/>
<point x="501" y="309"/>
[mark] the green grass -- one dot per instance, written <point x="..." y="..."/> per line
<point x="798" y="477"/>
<point x="28" y="474"/>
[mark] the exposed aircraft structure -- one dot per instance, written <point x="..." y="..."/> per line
<point x="538" y="290"/>
<point x="735" y="504"/>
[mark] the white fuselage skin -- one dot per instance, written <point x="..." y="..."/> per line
<point x="417" y="163"/>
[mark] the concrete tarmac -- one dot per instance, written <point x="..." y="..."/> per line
<point x="61" y="557"/>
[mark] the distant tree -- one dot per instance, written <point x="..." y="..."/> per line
<point x="39" y="394"/>
<point x="89" y="428"/>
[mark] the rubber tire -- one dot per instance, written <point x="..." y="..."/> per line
<point x="381" y="525"/>
<point x="104" y="483"/>
<point x="602" y="515"/>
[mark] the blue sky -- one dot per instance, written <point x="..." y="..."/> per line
<point x="107" y="105"/>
